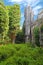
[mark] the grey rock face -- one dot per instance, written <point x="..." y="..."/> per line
<point x="28" y="21"/>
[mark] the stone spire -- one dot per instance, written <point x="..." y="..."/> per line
<point x="28" y="20"/>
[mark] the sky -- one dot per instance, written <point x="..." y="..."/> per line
<point x="36" y="6"/>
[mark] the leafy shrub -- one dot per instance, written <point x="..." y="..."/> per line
<point x="20" y="54"/>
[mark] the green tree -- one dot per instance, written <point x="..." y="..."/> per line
<point x="20" y="37"/>
<point x="4" y="21"/>
<point x="36" y="36"/>
<point x="14" y="20"/>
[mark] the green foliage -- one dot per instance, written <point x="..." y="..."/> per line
<point x="20" y="37"/>
<point x="20" y="54"/>
<point x="9" y="21"/>
<point x="4" y="21"/>
<point x="14" y="19"/>
<point x="2" y="1"/>
<point x="36" y="36"/>
<point x="41" y="28"/>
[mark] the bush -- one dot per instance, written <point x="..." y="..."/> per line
<point x="20" y="54"/>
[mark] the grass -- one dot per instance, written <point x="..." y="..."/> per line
<point x="20" y="54"/>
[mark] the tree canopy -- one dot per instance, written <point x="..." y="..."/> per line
<point x="9" y="20"/>
<point x="4" y="20"/>
<point x="14" y="19"/>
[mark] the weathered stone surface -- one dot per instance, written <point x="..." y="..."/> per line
<point x="30" y="24"/>
<point x="28" y="21"/>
